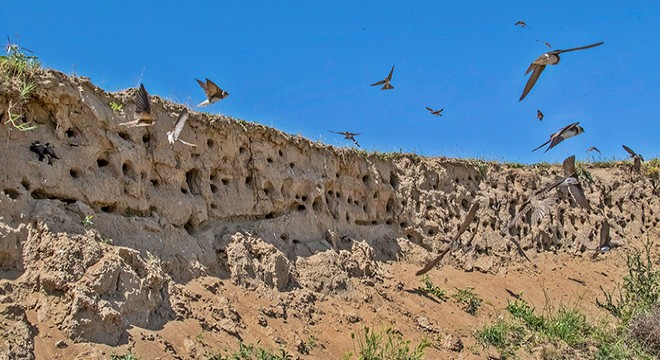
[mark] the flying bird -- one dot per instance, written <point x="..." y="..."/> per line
<point x="549" y="58"/>
<point x="539" y="115"/>
<point x="435" y="112"/>
<point x="637" y="166"/>
<point x="142" y="114"/>
<point x="576" y="188"/>
<point x="593" y="148"/>
<point x="605" y="241"/>
<point x="545" y="43"/>
<point x="386" y="82"/>
<point x="466" y="222"/>
<point x="173" y="135"/>
<point x="44" y="151"/>
<point x="566" y="132"/>
<point x="213" y="92"/>
<point x="348" y="136"/>
<point x="542" y="204"/>
<point x="522" y="24"/>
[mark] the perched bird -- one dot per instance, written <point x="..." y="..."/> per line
<point x="142" y="114"/>
<point x="173" y="135"/>
<point x="575" y="189"/>
<point x="44" y="151"/>
<point x="593" y="148"/>
<point x="549" y="58"/>
<point x="435" y="112"/>
<point x="561" y="135"/>
<point x="386" y="82"/>
<point x="541" y="205"/>
<point x="539" y="115"/>
<point x="522" y="24"/>
<point x="637" y="166"/>
<point x="348" y="136"/>
<point x="466" y="222"/>
<point x="213" y="92"/>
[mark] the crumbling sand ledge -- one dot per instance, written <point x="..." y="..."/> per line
<point x="181" y="234"/>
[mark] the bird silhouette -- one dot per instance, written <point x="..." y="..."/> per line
<point x="435" y="112"/>
<point x="386" y="82"/>
<point x="522" y="24"/>
<point x="549" y="58"/>
<point x="564" y="133"/>
<point x="539" y="115"/>
<point x="142" y="116"/>
<point x="637" y="165"/>
<point x="348" y="136"/>
<point x="44" y="151"/>
<point x="213" y="92"/>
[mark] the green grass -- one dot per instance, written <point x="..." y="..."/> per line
<point x="250" y="352"/>
<point x="127" y="356"/>
<point x="115" y="106"/>
<point x="470" y="301"/>
<point x="16" y="76"/>
<point x="431" y="289"/>
<point x="384" y="344"/>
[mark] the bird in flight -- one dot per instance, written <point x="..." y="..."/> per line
<point x="435" y="112"/>
<point x="541" y="205"/>
<point x="561" y="135"/>
<point x="213" y="92"/>
<point x="348" y="136"/>
<point x="593" y="148"/>
<point x="142" y="114"/>
<point x="44" y="151"/>
<point x="522" y="24"/>
<point x="466" y="222"/>
<point x="386" y="82"/>
<point x="173" y="135"/>
<point x="545" y="43"/>
<point x="549" y="58"/>
<point x="539" y="115"/>
<point x="605" y="243"/>
<point x="637" y="165"/>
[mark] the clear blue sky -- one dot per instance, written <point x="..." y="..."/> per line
<point x="305" y="67"/>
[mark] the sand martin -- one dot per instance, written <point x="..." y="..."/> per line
<point x="637" y="166"/>
<point x="213" y="92"/>
<point x="522" y="24"/>
<point x="549" y="58"/>
<point x="466" y="222"/>
<point x="44" y="151"/>
<point x="173" y="135"/>
<point x="605" y="243"/>
<point x="539" y="115"/>
<point x="142" y="114"/>
<point x="561" y="135"/>
<point x="575" y="189"/>
<point x="593" y="148"/>
<point x="386" y="82"/>
<point x="348" y="136"/>
<point x="545" y="43"/>
<point x="435" y="112"/>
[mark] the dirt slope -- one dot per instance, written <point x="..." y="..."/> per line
<point x="262" y="236"/>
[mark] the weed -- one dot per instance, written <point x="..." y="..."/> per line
<point x="505" y="336"/>
<point x="87" y="221"/>
<point x="480" y="165"/>
<point x="128" y="356"/>
<point x="307" y="346"/>
<point x="250" y="352"/>
<point x="115" y="106"/>
<point x="471" y="302"/>
<point x="432" y="289"/>
<point x="521" y="310"/>
<point x="385" y="344"/>
<point x="651" y="168"/>
<point x="16" y="74"/>
<point x="514" y="165"/>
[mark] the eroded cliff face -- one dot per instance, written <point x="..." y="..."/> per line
<point x="250" y="204"/>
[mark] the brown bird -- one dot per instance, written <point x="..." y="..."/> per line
<point x="605" y="244"/>
<point x="564" y="133"/>
<point x="637" y="166"/>
<point x="541" y="205"/>
<point x="522" y="24"/>
<point x="435" y="112"/>
<point x="545" y="43"/>
<point x="593" y="148"/>
<point x="575" y="189"/>
<point x="142" y="114"/>
<point x="348" y="136"/>
<point x="466" y="222"/>
<point x="213" y="92"/>
<point x="386" y="82"/>
<point x="549" y="58"/>
<point x="173" y="135"/>
<point x="539" y="115"/>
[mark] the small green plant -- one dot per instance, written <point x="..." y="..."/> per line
<point x="115" y="106"/>
<point x="470" y="301"/>
<point x="384" y="344"/>
<point x="514" y="165"/>
<point x="17" y="75"/>
<point x="127" y="356"/>
<point x="505" y="336"/>
<point x="307" y="346"/>
<point x="432" y="289"/>
<point x="651" y="168"/>
<point x="250" y="352"/>
<point x="480" y="165"/>
<point x="87" y="221"/>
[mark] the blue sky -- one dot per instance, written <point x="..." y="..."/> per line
<point x="305" y="67"/>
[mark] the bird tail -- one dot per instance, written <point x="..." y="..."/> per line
<point x="387" y="87"/>
<point x="204" y="103"/>
<point x="542" y="145"/>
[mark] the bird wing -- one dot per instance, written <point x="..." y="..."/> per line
<point x="542" y="207"/>
<point x="569" y="166"/>
<point x="604" y="234"/>
<point x="542" y="145"/>
<point x="466" y="222"/>
<point x="389" y="76"/>
<point x="180" y="123"/>
<point x="143" y="105"/>
<point x="578" y="48"/>
<point x="524" y="208"/>
<point x="338" y="132"/>
<point x="213" y="90"/>
<point x="202" y="84"/>
<point x="629" y="150"/>
<point x="378" y="83"/>
<point x="431" y="264"/>
<point x="537" y="70"/>
<point x="578" y="195"/>
<point x="429" y="109"/>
